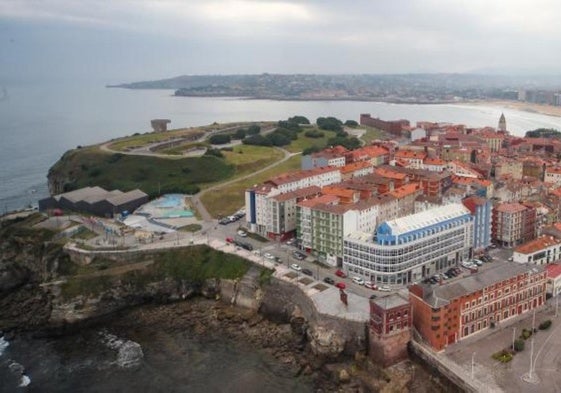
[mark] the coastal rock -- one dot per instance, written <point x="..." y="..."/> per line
<point x="344" y="376"/>
<point x="325" y="343"/>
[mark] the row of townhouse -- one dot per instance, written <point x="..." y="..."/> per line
<point x="338" y="156"/>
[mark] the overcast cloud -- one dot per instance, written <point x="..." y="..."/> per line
<point x="122" y="41"/>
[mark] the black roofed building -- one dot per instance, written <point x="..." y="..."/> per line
<point x="96" y="200"/>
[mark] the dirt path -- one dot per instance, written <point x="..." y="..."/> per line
<point x="197" y="198"/>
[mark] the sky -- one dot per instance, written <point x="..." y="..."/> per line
<point x="124" y="41"/>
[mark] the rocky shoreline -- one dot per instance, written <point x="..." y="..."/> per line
<point x="286" y="342"/>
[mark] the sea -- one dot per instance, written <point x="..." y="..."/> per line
<point x="40" y="121"/>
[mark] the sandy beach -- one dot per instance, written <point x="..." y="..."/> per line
<point x="521" y="106"/>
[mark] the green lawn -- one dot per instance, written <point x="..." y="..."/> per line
<point x="303" y="142"/>
<point x="247" y="159"/>
<point x="153" y="175"/>
<point x="226" y="200"/>
<point x="372" y="134"/>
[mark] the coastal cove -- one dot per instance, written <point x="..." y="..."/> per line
<point x="40" y="122"/>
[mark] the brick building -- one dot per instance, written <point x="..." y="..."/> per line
<point x="513" y="224"/>
<point x="390" y="329"/>
<point x="449" y="313"/>
<point x="394" y="127"/>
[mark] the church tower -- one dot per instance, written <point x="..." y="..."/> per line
<point x="502" y="123"/>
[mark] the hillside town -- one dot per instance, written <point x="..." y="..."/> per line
<point x="416" y="211"/>
<point x="436" y="235"/>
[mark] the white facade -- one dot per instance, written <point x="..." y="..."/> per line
<point x="540" y="251"/>
<point x="410" y="248"/>
<point x="552" y="175"/>
<point x="324" y="178"/>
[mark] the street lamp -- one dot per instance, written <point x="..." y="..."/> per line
<point x="513" y="336"/>
<point x="472" y="364"/>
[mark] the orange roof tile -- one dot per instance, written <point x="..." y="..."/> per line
<point x="537" y="244"/>
<point x="553" y="270"/>
<point x="409" y="154"/>
<point x="405" y="190"/>
<point x="390" y="174"/>
<point x="355" y="166"/>
<point x="323" y="199"/>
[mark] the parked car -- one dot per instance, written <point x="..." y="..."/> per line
<point x="298" y="255"/>
<point x="307" y="272"/>
<point x="370" y="284"/>
<point x="340" y="273"/>
<point x="296" y="267"/>
<point x="384" y="288"/>
<point x="341" y="285"/>
<point x="229" y="239"/>
<point x="358" y="280"/>
<point x="329" y="280"/>
<point x="373" y="296"/>
<point x="224" y="221"/>
<point x="269" y="256"/>
<point x="290" y="242"/>
<point x="477" y="262"/>
<point x="242" y="233"/>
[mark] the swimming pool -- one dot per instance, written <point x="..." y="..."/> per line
<point x="177" y="214"/>
<point x="169" y="201"/>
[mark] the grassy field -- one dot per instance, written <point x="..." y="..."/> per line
<point x="226" y="200"/>
<point x="92" y="167"/>
<point x="248" y="159"/>
<point x="303" y="142"/>
<point x="372" y="134"/>
<point x="139" y="140"/>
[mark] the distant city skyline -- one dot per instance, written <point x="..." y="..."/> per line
<point x="123" y="41"/>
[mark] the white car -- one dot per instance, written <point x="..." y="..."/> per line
<point x="358" y="280"/>
<point x="384" y="288"/>
<point x="269" y="256"/>
<point x="296" y="267"/>
<point x="242" y="233"/>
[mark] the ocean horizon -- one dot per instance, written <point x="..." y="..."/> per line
<point x="42" y="121"/>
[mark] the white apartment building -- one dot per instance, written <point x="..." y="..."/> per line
<point x="407" y="249"/>
<point x="541" y="251"/>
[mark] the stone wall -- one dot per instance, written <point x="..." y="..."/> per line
<point x="282" y="301"/>
<point x="446" y="368"/>
<point x="390" y="349"/>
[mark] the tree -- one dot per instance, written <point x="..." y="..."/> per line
<point x="257" y="140"/>
<point x="298" y="120"/>
<point x="239" y="134"/>
<point x="253" y="129"/>
<point x="349" y="143"/>
<point x="279" y="139"/>
<point x="329" y="123"/>
<point x="543" y="133"/>
<point x="220" y="139"/>
<point x="518" y="345"/>
<point x="351" y="123"/>
<point x="312" y="149"/>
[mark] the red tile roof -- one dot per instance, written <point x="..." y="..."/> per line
<point x="537" y="244"/>
<point x="553" y="270"/>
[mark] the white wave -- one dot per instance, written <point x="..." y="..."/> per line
<point x="3" y="345"/>
<point x="24" y="381"/>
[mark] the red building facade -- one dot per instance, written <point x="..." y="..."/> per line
<point x="390" y="329"/>
<point x="449" y="313"/>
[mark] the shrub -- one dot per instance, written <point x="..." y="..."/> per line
<point x="220" y="139"/>
<point x="253" y="129"/>
<point x="526" y="333"/>
<point x="519" y="345"/>
<point x="503" y="356"/>
<point x="545" y="324"/>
